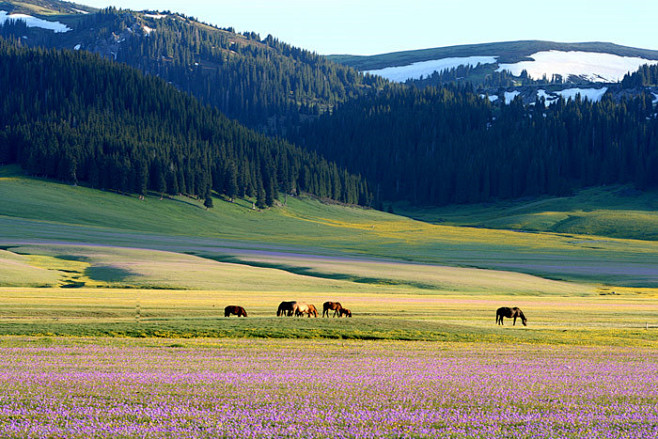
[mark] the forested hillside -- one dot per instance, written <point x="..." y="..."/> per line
<point x="435" y="146"/>
<point x="77" y="117"/>
<point x="449" y="145"/>
<point x="645" y="76"/>
<point x="262" y="82"/>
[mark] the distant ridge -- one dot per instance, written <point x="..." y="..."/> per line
<point x="507" y="52"/>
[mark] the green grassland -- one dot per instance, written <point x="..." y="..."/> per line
<point x="101" y="312"/>
<point x="613" y="211"/>
<point x="39" y="211"/>
<point x="87" y="263"/>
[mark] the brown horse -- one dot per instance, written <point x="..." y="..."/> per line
<point x="510" y="313"/>
<point x="344" y="312"/>
<point x="326" y="306"/>
<point x="301" y="308"/>
<point x="286" y="308"/>
<point x="235" y="310"/>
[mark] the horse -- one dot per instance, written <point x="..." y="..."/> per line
<point x="344" y="312"/>
<point x="510" y="313"/>
<point x="235" y="310"/>
<point x="300" y="308"/>
<point x="326" y="306"/>
<point x="286" y="308"/>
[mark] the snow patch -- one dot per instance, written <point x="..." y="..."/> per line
<point x="541" y="93"/>
<point x="426" y="68"/>
<point x="548" y="99"/>
<point x="492" y="98"/>
<point x="156" y="16"/>
<point x="593" y="94"/>
<point x="30" y="21"/>
<point x="77" y="47"/>
<point x="510" y="95"/>
<point x="147" y="30"/>
<point x="595" y="67"/>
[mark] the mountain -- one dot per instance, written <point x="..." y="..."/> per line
<point x="77" y="117"/>
<point x="262" y="82"/>
<point x="445" y="139"/>
<point x="547" y="61"/>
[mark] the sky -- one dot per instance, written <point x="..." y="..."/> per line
<point x="368" y="27"/>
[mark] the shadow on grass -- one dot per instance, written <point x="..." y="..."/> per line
<point x="108" y="274"/>
<point x="306" y="271"/>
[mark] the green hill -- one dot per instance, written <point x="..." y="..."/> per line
<point x="613" y="211"/>
<point x="303" y="234"/>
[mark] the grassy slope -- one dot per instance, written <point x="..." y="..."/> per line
<point x="34" y="210"/>
<point x="614" y="211"/>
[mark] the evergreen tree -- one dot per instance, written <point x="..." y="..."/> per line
<point x="208" y="199"/>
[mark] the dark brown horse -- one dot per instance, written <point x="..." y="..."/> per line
<point x="510" y="313"/>
<point x="326" y="306"/>
<point x="235" y="310"/>
<point x="344" y="312"/>
<point x="286" y="308"/>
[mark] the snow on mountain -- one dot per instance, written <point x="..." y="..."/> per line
<point x="426" y="68"/>
<point x="592" y="94"/>
<point x="591" y="66"/>
<point x="54" y="26"/>
<point x="595" y="67"/>
<point x="510" y="95"/>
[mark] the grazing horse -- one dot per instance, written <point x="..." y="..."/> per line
<point x="344" y="312"/>
<point x="235" y="310"/>
<point x="326" y="306"/>
<point x="301" y="308"/>
<point x="286" y="308"/>
<point x="510" y="313"/>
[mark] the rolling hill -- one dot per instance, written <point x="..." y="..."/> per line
<point x="328" y="241"/>
<point x="79" y="118"/>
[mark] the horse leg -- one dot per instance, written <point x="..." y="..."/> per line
<point x="513" y="324"/>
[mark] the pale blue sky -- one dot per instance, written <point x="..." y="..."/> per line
<point x="366" y="27"/>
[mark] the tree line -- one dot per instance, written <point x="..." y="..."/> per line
<point x="447" y="145"/>
<point x="80" y="118"/>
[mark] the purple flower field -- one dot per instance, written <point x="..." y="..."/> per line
<point x="288" y="388"/>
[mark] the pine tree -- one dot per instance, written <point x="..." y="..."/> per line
<point x="208" y="199"/>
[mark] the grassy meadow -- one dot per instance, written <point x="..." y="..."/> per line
<point x="38" y="211"/>
<point x="112" y="323"/>
<point x="118" y="292"/>
<point x="81" y="262"/>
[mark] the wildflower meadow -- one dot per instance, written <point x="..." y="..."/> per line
<point x="256" y="388"/>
